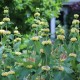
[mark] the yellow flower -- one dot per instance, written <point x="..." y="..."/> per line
<point x="37" y="21"/>
<point x="29" y="66"/>
<point x="11" y="72"/>
<point x="73" y="39"/>
<point x="46" y="24"/>
<point x="46" y="42"/>
<point x="37" y="9"/>
<point x="40" y="78"/>
<point x="37" y="14"/>
<point x="61" y="68"/>
<point x="34" y="25"/>
<point x="18" y="53"/>
<point x="72" y="55"/>
<point x="74" y="22"/>
<point x="62" y="31"/>
<point x="49" y="42"/>
<point x="7" y="32"/>
<point x="39" y="64"/>
<point x="4" y="55"/>
<point x="42" y="23"/>
<point x="17" y="39"/>
<point x="62" y="60"/>
<point x="60" y="37"/>
<point x="5" y="74"/>
<point x="2" y="31"/>
<point x="8" y="67"/>
<point x="1" y="23"/>
<point x="41" y="51"/>
<point x="43" y="34"/>
<point x="73" y="30"/>
<point x="6" y="19"/>
<point x="8" y="73"/>
<point x="45" y="30"/>
<point x="45" y="68"/>
<point x="76" y="15"/>
<point x="6" y="11"/>
<point x="35" y="38"/>
<point x="20" y="64"/>
<point x="16" y="32"/>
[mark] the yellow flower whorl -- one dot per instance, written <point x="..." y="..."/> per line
<point x="73" y="39"/>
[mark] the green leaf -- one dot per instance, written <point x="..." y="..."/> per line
<point x="78" y="67"/>
<point x="16" y="46"/>
<point x="1" y="51"/>
<point x="68" y="70"/>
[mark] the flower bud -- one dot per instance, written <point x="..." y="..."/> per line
<point x="76" y="16"/>
<point x="1" y="23"/>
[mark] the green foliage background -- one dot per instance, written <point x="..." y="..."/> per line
<point x="22" y="11"/>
